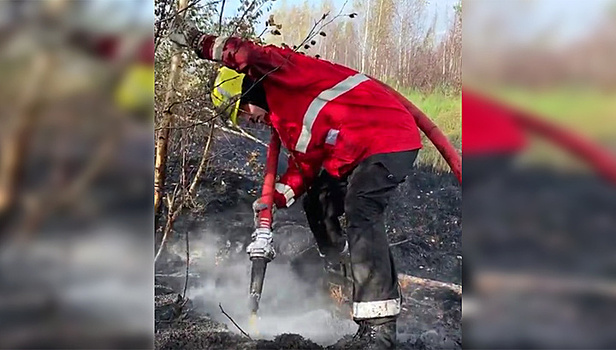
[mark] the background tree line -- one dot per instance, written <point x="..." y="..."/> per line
<point x="387" y="39"/>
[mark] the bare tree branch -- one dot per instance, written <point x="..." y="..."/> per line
<point x="222" y="9"/>
<point x="231" y="319"/>
<point x="162" y="138"/>
<point x="202" y="165"/>
<point x="159" y="24"/>
<point x="171" y="217"/>
<point x="242" y="133"/>
<point x="399" y="243"/>
<point x="248" y="9"/>
<point x="187" y="265"/>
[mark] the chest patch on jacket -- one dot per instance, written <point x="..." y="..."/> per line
<point x="332" y="135"/>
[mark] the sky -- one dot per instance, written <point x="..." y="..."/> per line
<point x="118" y="14"/>
<point x="443" y="8"/>
<point x="573" y="17"/>
<point x="569" y="19"/>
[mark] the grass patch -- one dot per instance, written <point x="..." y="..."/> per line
<point x="445" y="110"/>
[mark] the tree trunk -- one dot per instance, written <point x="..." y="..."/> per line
<point x="162" y="139"/>
<point x="375" y="36"/>
<point x="364" y="49"/>
<point x="400" y="53"/>
<point x="203" y="164"/>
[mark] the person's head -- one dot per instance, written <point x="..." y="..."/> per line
<point x="251" y="106"/>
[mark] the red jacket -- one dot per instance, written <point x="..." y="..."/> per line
<point x="328" y="116"/>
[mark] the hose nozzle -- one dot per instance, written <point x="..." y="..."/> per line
<point x="262" y="245"/>
<point x="257" y="275"/>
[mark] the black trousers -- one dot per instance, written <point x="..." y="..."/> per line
<point x="363" y="195"/>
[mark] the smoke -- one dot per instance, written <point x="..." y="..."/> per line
<point x="288" y="304"/>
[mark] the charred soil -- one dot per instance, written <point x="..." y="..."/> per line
<point x="423" y="224"/>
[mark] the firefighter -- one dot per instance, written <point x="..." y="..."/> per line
<point x="351" y="144"/>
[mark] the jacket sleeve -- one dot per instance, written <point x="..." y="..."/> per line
<point x="242" y="55"/>
<point x="301" y="172"/>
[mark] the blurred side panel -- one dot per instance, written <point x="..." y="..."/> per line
<point x="76" y="159"/>
<point x="539" y="174"/>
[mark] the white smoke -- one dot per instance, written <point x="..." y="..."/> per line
<point x="288" y="304"/>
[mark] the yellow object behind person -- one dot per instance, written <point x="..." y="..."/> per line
<point x="228" y="85"/>
<point x="136" y="89"/>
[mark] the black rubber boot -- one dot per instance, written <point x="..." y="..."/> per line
<point x="375" y="336"/>
<point x="337" y="270"/>
<point x="335" y="261"/>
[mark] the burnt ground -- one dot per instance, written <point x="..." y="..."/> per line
<point x="296" y="312"/>
<point x="531" y="221"/>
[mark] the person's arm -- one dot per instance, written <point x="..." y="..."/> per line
<point x="238" y="54"/>
<point x="241" y="55"/>
<point x="301" y="172"/>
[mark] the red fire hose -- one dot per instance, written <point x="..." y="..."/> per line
<point x="594" y="155"/>
<point x="518" y="120"/>
<point x="432" y="132"/>
<point x="259" y="265"/>
<point x="271" y="167"/>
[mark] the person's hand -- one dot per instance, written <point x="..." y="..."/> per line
<point x="184" y="33"/>
<point x="258" y="206"/>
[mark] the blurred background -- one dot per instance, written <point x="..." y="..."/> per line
<point x="539" y="155"/>
<point x="76" y="151"/>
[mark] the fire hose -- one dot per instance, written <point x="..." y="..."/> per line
<point x="261" y="250"/>
<point x="598" y="158"/>
<point x="593" y="154"/>
<point x="432" y="132"/>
